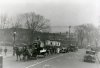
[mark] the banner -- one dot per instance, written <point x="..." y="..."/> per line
<point x="48" y="42"/>
<point x="52" y="43"/>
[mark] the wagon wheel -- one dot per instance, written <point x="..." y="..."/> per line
<point x="36" y="57"/>
<point x="44" y="56"/>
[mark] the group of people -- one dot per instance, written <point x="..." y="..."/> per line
<point x="3" y="50"/>
<point x="52" y="50"/>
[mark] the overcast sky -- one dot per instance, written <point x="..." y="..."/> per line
<point x="59" y="12"/>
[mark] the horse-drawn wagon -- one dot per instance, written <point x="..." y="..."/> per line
<point x="30" y="51"/>
<point x="36" y="49"/>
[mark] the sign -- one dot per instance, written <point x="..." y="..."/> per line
<point x="58" y="43"/>
<point x="52" y="43"/>
<point x="48" y="42"/>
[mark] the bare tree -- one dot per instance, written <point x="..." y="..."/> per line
<point x="16" y="22"/>
<point x="34" y="23"/>
<point x="3" y="21"/>
<point x="7" y="22"/>
<point x="80" y="35"/>
<point x="87" y="32"/>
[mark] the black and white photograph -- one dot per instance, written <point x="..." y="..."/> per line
<point x="49" y="33"/>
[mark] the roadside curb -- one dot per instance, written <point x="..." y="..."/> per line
<point x="10" y="55"/>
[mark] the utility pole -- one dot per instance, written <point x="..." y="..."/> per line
<point x="69" y="34"/>
<point x="96" y="44"/>
<point x="14" y="35"/>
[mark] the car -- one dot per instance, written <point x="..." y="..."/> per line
<point x="63" y="50"/>
<point x="90" y="56"/>
<point x="90" y="52"/>
<point x="73" y="48"/>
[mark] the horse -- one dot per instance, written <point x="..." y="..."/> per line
<point x="25" y="53"/>
<point x="29" y="53"/>
<point x="34" y="53"/>
<point x="18" y="52"/>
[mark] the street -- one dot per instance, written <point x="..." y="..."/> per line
<point x="65" y="60"/>
<point x="49" y="34"/>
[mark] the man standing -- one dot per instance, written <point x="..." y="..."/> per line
<point x="5" y="50"/>
<point x="0" y="50"/>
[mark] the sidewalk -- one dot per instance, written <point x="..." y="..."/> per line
<point x="98" y="56"/>
<point x="7" y="55"/>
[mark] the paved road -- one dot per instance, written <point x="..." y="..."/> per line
<point x="68" y="60"/>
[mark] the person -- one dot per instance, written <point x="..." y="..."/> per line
<point x="58" y="50"/>
<point x="38" y="42"/>
<point x="0" y="50"/>
<point x="5" y="50"/>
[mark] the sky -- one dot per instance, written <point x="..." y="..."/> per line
<point x="59" y="12"/>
